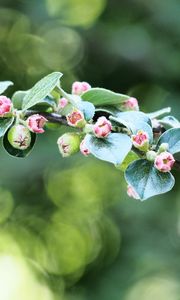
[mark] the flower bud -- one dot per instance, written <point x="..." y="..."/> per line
<point x="63" y="102"/>
<point x="163" y="147"/>
<point x="78" y="88"/>
<point x="5" y="105"/>
<point x="83" y="148"/>
<point x="132" y="193"/>
<point x="164" y="162"/>
<point x="151" y="155"/>
<point x="130" y="104"/>
<point x="141" y="140"/>
<point x="19" y="137"/>
<point x="102" y="127"/>
<point x="36" y="123"/>
<point x="76" y="119"/>
<point x="68" y="144"/>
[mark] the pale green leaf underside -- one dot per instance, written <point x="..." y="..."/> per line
<point x="146" y="180"/>
<point x="41" y="89"/>
<point x="5" y="123"/>
<point x="4" y="85"/>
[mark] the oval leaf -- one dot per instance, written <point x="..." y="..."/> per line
<point x="5" y="123"/>
<point x="16" y="152"/>
<point x="172" y="137"/>
<point x="159" y="113"/>
<point x="17" y="98"/>
<point x="4" y="85"/>
<point x="113" y="149"/>
<point x="169" y="122"/>
<point x="99" y="96"/>
<point x="146" y="180"/>
<point x="88" y="109"/>
<point x="41" y="89"/>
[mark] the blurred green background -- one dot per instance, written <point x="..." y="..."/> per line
<point x="68" y="230"/>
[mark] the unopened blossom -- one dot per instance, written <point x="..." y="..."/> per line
<point x="102" y="127"/>
<point x="76" y="118"/>
<point x="5" y="105"/>
<point x="131" y="104"/>
<point x="36" y="123"/>
<point x="68" y="144"/>
<point x="132" y="193"/>
<point x="63" y="102"/>
<point x="83" y="148"/>
<point x="164" y="162"/>
<point x="19" y="137"/>
<point x="141" y="140"/>
<point x="78" y="88"/>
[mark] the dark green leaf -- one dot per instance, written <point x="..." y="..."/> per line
<point x="5" y="123"/>
<point x="41" y="89"/>
<point x="113" y="149"/>
<point x="4" y="85"/>
<point x="16" y="152"/>
<point x="146" y="180"/>
<point x="172" y="137"/>
<point x="99" y="96"/>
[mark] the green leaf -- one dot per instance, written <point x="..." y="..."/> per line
<point x="17" y="98"/>
<point x="113" y="149"/>
<point x="41" y="89"/>
<point x="4" y="85"/>
<point x="172" y="137"/>
<point x="111" y="110"/>
<point x="146" y="180"/>
<point x="159" y="113"/>
<point x="5" y="123"/>
<point x="131" y="156"/>
<point x="134" y="121"/>
<point x="88" y="109"/>
<point x="16" y="152"/>
<point x="99" y="96"/>
<point x="169" y="122"/>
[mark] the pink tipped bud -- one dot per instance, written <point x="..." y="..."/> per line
<point x="141" y="140"/>
<point x="76" y="119"/>
<point x="63" y="102"/>
<point x="36" y="123"/>
<point x="83" y="148"/>
<point x="19" y="137"/>
<point x="130" y="104"/>
<point x="164" y="162"/>
<point x="68" y="144"/>
<point x="5" y="105"/>
<point x="102" y="127"/>
<point x="132" y="193"/>
<point x="78" y="88"/>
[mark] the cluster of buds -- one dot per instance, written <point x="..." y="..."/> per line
<point x="141" y="140"/>
<point x="78" y="88"/>
<point x="130" y="104"/>
<point x="5" y="106"/>
<point x="102" y="127"/>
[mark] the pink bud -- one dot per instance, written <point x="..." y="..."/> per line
<point x="164" y="162"/>
<point x="79" y="88"/>
<point x="141" y="140"/>
<point x="5" y="105"/>
<point x="83" y="148"/>
<point x="102" y="127"/>
<point x="36" y="123"/>
<point x="76" y="119"/>
<point x="63" y="102"/>
<point x="131" y="104"/>
<point x="132" y="193"/>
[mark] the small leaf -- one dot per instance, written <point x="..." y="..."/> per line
<point x="4" y="85"/>
<point x="88" y="109"/>
<point x="16" y="152"/>
<point x="169" y="122"/>
<point x="131" y="156"/>
<point x="146" y="180"/>
<point x="159" y="113"/>
<point x="41" y="89"/>
<point x="172" y="137"/>
<point x="5" y="123"/>
<point x="17" y="98"/>
<point x="99" y="96"/>
<point x="113" y="149"/>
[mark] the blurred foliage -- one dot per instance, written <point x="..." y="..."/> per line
<point x="68" y="230"/>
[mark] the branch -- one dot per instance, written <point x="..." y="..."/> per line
<point x="51" y="117"/>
